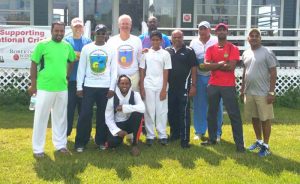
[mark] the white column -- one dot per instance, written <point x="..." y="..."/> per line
<point x="115" y="16"/>
<point x="179" y="16"/>
<point x="81" y="10"/>
<point x="298" y="27"/>
<point x="238" y="18"/>
<point x="196" y="22"/>
<point x="281" y="18"/>
<point x="151" y="3"/>
<point x="50" y="11"/>
<point x="248" y="20"/>
<point x="31" y="12"/>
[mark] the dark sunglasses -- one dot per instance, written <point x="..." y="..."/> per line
<point x="100" y="33"/>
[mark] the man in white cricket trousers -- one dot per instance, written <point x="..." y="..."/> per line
<point x="50" y="64"/>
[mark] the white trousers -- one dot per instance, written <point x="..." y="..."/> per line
<point x="56" y="102"/>
<point x="156" y="113"/>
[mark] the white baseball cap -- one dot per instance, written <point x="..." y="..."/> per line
<point x="76" y="21"/>
<point x="204" y="23"/>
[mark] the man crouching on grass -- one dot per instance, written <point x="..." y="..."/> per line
<point x="123" y="115"/>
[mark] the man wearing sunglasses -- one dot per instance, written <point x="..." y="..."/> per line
<point x="98" y="73"/>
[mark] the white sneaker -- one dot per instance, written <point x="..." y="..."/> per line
<point x="79" y="150"/>
<point x="218" y="139"/>
<point x="197" y="137"/>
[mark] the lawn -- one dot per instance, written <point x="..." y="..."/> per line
<point x="156" y="164"/>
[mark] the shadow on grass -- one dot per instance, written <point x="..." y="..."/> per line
<point x="272" y="165"/>
<point x="63" y="167"/>
<point x="67" y="168"/>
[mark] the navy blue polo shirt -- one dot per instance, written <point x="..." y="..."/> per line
<point x="182" y="62"/>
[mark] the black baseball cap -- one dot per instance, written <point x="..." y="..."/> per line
<point x="101" y="27"/>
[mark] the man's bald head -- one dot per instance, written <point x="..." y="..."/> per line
<point x="152" y="23"/>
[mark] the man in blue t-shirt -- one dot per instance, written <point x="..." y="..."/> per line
<point x="152" y="24"/>
<point x="77" y="40"/>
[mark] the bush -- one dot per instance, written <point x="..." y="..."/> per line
<point x="290" y="99"/>
<point x="14" y="97"/>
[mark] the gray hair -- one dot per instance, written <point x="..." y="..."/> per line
<point x="124" y="16"/>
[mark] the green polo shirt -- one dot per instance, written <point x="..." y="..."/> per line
<point x="52" y="58"/>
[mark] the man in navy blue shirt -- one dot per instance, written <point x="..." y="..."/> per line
<point x="182" y="86"/>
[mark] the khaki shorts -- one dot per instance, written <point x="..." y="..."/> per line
<point x="257" y="107"/>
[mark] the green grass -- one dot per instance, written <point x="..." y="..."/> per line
<point x="156" y="164"/>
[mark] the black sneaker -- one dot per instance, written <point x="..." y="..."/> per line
<point x="163" y="141"/>
<point x="240" y="149"/>
<point x="185" y="145"/>
<point x="174" y="138"/>
<point x="149" y="142"/>
<point x="208" y="143"/>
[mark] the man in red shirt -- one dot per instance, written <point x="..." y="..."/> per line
<point x="221" y="59"/>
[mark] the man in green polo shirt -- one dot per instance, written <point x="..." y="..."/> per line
<point x="50" y="64"/>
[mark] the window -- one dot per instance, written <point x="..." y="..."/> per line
<point x="15" y="12"/>
<point x="231" y="12"/>
<point x="165" y="11"/>
<point x="265" y="14"/>
<point x="98" y="12"/>
<point x="65" y="10"/>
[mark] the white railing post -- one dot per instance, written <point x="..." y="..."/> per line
<point x="298" y="31"/>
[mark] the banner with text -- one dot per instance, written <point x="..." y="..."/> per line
<point x="18" y="42"/>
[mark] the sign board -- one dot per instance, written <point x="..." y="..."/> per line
<point x="187" y="17"/>
<point x="18" y="42"/>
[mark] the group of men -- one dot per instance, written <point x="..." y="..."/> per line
<point x="112" y="74"/>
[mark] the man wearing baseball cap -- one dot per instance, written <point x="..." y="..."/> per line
<point x="77" y="40"/>
<point x="96" y="80"/>
<point x="200" y="45"/>
<point x="221" y="59"/>
<point x="258" y="85"/>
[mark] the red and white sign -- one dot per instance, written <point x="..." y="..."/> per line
<point x="187" y="17"/>
<point x="18" y="42"/>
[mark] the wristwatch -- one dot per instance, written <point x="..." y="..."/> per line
<point x="271" y="93"/>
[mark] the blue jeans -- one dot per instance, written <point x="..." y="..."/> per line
<point x="201" y="107"/>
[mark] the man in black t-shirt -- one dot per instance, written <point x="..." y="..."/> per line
<point x="182" y="85"/>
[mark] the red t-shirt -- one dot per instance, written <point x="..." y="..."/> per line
<point x="215" y="54"/>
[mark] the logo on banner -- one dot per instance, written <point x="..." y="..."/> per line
<point x="125" y="56"/>
<point x="98" y="60"/>
<point x="16" y="57"/>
